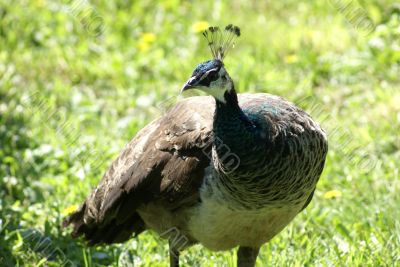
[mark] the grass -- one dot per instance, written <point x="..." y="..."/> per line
<point x="78" y="80"/>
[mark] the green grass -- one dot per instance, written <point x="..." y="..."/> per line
<point x="72" y="95"/>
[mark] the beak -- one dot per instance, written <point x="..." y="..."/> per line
<point x="190" y="84"/>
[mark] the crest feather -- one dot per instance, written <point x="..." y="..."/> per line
<point x="221" y="41"/>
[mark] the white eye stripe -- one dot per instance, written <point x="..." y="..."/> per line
<point x="214" y="69"/>
<point x="208" y="72"/>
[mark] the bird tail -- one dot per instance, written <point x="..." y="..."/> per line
<point x="103" y="233"/>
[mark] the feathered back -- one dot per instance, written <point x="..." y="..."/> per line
<point x="167" y="161"/>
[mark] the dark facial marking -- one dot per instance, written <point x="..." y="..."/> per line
<point x="207" y="72"/>
<point x="206" y="66"/>
<point x="210" y="77"/>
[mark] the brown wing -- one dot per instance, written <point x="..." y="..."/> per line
<point x="165" y="160"/>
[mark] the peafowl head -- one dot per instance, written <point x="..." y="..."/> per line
<point x="211" y="76"/>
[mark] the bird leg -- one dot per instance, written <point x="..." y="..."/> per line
<point x="246" y="256"/>
<point x="173" y="255"/>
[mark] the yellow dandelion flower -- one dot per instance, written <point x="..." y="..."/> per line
<point x="39" y="3"/>
<point x="332" y="194"/>
<point x="200" y="26"/>
<point x="143" y="46"/>
<point x="292" y="58"/>
<point x="148" y="37"/>
<point x="310" y="35"/>
<point x="70" y="209"/>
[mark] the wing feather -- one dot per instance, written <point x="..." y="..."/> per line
<point x="166" y="160"/>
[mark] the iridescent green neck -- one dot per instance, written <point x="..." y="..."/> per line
<point x="234" y="132"/>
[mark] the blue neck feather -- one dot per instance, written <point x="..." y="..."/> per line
<point x="231" y="113"/>
<point x="234" y="132"/>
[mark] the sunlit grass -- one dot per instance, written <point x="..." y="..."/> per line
<point x="70" y="100"/>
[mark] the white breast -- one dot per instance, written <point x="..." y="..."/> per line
<point x="219" y="227"/>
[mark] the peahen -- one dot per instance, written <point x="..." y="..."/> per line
<point x="224" y="172"/>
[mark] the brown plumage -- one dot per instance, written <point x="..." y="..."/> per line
<point x="224" y="172"/>
<point x="165" y="162"/>
<point x="163" y="168"/>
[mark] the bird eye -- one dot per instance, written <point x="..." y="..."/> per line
<point x="212" y="75"/>
<point x="209" y="77"/>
